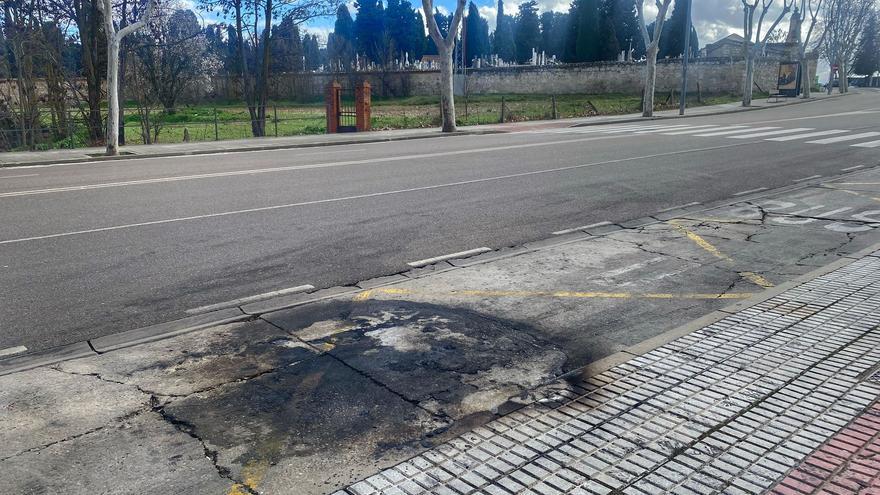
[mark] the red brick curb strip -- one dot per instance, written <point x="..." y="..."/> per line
<point x="848" y="463"/>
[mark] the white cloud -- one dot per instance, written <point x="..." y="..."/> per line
<point x="491" y="14"/>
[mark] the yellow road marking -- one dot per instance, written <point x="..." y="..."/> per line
<point x="699" y="241"/>
<point x="252" y="474"/>
<point x="756" y="279"/>
<point x="363" y="296"/>
<point x="706" y="245"/>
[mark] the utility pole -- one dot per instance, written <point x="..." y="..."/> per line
<point x="687" y="55"/>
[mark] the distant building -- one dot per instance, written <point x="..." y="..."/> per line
<point x="731" y="47"/>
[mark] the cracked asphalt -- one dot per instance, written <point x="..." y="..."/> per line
<point x="312" y="398"/>
<point x="88" y="250"/>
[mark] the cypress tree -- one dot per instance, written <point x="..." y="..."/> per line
<point x="868" y="56"/>
<point x="528" y="31"/>
<point x="504" y="45"/>
<point x="672" y="39"/>
<point x="477" y="42"/>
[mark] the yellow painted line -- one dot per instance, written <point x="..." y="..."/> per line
<point x="252" y="475"/>
<point x="699" y="241"/>
<point x="756" y="279"/>
<point x="363" y="296"/>
<point x="706" y="245"/>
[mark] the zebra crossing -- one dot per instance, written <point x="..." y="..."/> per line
<point x="807" y="135"/>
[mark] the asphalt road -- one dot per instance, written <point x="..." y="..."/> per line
<point x="93" y="249"/>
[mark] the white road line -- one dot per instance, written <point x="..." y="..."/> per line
<point x="636" y="128"/>
<point x="771" y="133"/>
<point x="695" y="203"/>
<point x="18" y="176"/>
<point x="750" y="191"/>
<point x="807" y="178"/>
<point x="13" y="350"/>
<point x="841" y="139"/>
<point x="808" y="135"/>
<point x="664" y="128"/>
<point x="578" y="229"/>
<point x="365" y="196"/>
<point x="438" y="259"/>
<point x="869" y="144"/>
<point x="847" y="169"/>
<point x="694" y="131"/>
<point x="727" y="133"/>
<point x="244" y="300"/>
<point x="293" y="167"/>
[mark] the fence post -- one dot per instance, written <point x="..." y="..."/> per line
<point x="555" y="110"/>
<point x="501" y="119"/>
<point x="363" y="107"/>
<point x="216" y="127"/>
<point x="275" y="111"/>
<point x="332" y="107"/>
<point x="70" y="129"/>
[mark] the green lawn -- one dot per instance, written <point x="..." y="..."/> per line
<point x="286" y="118"/>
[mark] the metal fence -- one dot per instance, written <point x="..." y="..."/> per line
<point x="209" y="123"/>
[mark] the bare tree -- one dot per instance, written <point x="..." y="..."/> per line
<point x="114" y="41"/>
<point x="652" y="47"/>
<point x="808" y="12"/>
<point x="445" y="47"/>
<point x="754" y="43"/>
<point x="844" y="23"/>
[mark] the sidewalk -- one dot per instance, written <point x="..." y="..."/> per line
<point x="23" y="158"/>
<point x="779" y="396"/>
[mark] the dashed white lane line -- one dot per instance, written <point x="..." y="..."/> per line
<point x="869" y="144"/>
<point x="750" y="191"/>
<point x="851" y="137"/>
<point x="459" y="255"/>
<point x="735" y="131"/>
<point x="579" y="229"/>
<point x="11" y="351"/>
<point x="664" y="128"/>
<point x="695" y="203"/>
<point x="807" y="178"/>
<point x="771" y="133"/>
<point x="17" y="176"/>
<point x="808" y="135"/>
<point x="847" y="169"/>
<point x="244" y="300"/>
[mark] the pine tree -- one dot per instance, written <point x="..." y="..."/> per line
<point x="477" y="41"/>
<point x="868" y="56"/>
<point x="528" y="31"/>
<point x="672" y="38"/>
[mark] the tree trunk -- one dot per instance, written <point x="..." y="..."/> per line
<point x="650" y="81"/>
<point x="806" y="78"/>
<point x="447" y="94"/>
<point x="749" y="83"/>
<point x="112" y="95"/>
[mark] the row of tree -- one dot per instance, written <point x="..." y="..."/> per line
<point x="592" y="30"/>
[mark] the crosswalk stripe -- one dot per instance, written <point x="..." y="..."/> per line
<point x="869" y="144"/>
<point x="851" y="137"/>
<point x="694" y="131"/>
<point x="736" y="131"/>
<point x="771" y="133"/>
<point x="664" y="128"/>
<point x="633" y="129"/>
<point x="808" y="135"/>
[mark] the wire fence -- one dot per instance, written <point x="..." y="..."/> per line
<point x="216" y="123"/>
